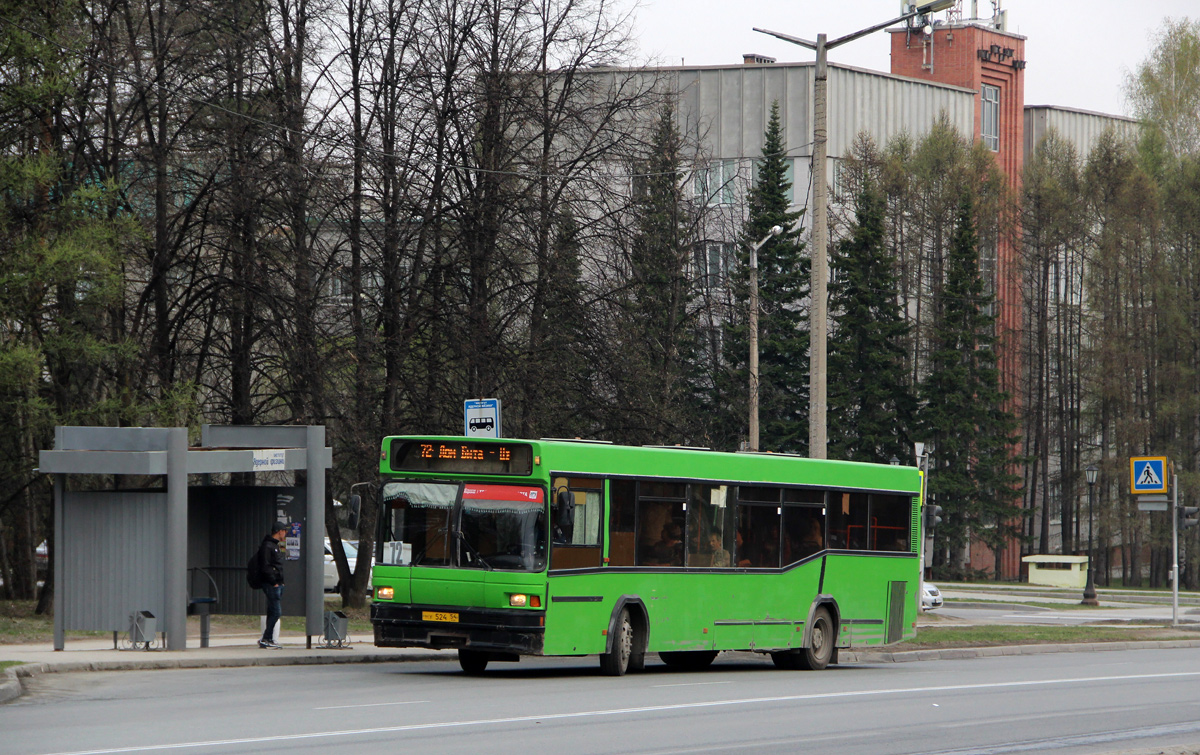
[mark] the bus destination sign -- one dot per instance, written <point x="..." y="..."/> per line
<point x="466" y="457"/>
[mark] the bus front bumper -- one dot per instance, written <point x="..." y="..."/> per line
<point x="498" y="630"/>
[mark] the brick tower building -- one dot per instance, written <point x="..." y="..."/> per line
<point x="979" y="56"/>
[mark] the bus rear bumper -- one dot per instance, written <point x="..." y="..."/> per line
<point x="497" y="630"/>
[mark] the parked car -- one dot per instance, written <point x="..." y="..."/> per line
<point x="331" y="573"/>
<point x="931" y="596"/>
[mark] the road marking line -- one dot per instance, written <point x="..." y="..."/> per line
<point x="371" y="705"/>
<point x="819" y="696"/>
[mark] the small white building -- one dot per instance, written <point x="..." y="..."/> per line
<point x="1057" y="571"/>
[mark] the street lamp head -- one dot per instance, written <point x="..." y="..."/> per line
<point x="1092" y="472"/>
<point x="776" y="230"/>
<point x="894" y="462"/>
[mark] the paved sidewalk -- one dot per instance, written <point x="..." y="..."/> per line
<point x="224" y="651"/>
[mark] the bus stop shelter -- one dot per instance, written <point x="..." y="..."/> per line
<point x="125" y="552"/>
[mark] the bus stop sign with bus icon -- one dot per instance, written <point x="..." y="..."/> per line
<point x="481" y="418"/>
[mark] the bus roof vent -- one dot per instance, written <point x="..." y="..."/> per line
<point x="579" y="440"/>
<point x="678" y="448"/>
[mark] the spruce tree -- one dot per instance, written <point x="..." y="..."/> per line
<point x="783" y="275"/>
<point x="963" y="408"/>
<point x="658" y="307"/>
<point x="870" y="397"/>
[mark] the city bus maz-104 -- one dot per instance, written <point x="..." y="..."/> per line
<point x="504" y="548"/>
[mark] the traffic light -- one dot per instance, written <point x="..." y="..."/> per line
<point x="1189" y="516"/>
<point x="933" y="515"/>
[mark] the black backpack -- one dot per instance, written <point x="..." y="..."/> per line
<point x="253" y="573"/>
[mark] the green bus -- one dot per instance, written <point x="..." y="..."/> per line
<point x="503" y="548"/>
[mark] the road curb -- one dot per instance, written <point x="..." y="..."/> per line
<point x="945" y="654"/>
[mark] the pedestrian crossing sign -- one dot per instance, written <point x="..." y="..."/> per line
<point x="1147" y="474"/>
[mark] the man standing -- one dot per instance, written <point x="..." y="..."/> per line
<point x="270" y="569"/>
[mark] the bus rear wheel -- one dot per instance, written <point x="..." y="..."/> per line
<point x="821" y="640"/>
<point x="616" y="661"/>
<point x="688" y="660"/>
<point x="472" y="661"/>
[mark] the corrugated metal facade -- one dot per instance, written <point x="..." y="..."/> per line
<point x="113" y="553"/>
<point x="726" y="109"/>
<point x="1078" y="127"/>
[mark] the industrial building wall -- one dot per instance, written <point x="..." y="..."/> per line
<point x="1080" y="128"/>
<point x="725" y="109"/>
<point x="113" y="551"/>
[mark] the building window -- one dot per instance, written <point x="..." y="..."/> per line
<point x="990" y="127"/>
<point x="714" y="184"/>
<point x="713" y="260"/>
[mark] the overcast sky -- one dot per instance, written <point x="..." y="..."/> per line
<point x="1078" y="52"/>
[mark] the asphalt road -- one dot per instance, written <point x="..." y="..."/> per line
<point x="1068" y="703"/>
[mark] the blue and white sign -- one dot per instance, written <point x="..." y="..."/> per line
<point x="270" y="459"/>
<point x="1147" y="474"/>
<point x="481" y="418"/>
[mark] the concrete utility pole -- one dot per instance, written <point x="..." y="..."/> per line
<point x="818" y="429"/>
<point x="818" y="324"/>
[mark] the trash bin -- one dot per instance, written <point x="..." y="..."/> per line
<point x="142" y="628"/>
<point x="335" y="626"/>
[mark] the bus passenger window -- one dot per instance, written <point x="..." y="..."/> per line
<point x="890" y="519"/>
<point x="583" y="496"/>
<point x="710" y="527"/>
<point x="622" y="495"/>
<point x="660" y="533"/>
<point x="803" y="532"/>
<point x="759" y="527"/>
<point x="847" y="514"/>
<point x="575" y="525"/>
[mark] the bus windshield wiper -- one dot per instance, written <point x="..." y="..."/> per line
<point x="474" y="552"/>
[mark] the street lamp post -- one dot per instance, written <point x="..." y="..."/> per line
<point x="818" y="434"/>
<point x="775" y="231"/>
<point x="1089" y="592"/>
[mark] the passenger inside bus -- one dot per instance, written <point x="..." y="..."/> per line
<point x="668" y="551"/>
<point x="720" y="556"/>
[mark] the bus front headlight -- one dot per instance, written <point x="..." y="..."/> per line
<point x="385" y="593"/>
<point x="518" y="600"/>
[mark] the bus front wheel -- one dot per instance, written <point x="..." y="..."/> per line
<point x="821" y="640"/>
<point x="472" y="661"/>
<point x="616" y="661"/>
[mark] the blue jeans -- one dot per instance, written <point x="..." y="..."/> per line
<point x="274" y="610"/>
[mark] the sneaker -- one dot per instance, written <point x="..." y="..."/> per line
<point x="266" y="644"/>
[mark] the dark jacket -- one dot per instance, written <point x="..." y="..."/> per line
<point x="270" y="562"/>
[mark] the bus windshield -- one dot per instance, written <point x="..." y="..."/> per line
<point x="474" y="525"/>
<point x="503" y="527"/>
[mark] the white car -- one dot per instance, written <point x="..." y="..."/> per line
<point x="931" y="597"/>
<point x="331" y="573"/>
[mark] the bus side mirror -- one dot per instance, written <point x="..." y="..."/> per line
<point x="565" y="515"/>
<point x="355" y="509"/>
